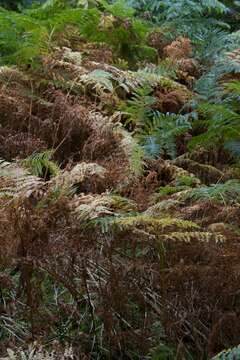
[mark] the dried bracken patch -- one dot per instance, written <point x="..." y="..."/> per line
<point x="179" y="49"/>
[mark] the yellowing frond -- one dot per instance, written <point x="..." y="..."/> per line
<point x="189" y="237"/>
<point x="153" y="224"/>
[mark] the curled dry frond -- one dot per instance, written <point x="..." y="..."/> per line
<point x="91" y="207"/>
<point x="16" y="180"/>
<point x="80" y="173"/>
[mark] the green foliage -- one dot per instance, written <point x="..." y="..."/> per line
<point x="222" y="61"/>
<point x="167" y="190"/>
<point x="165" y="68"/>
<point x="167" y="9"/>
<point x="164" y="192"/>
<point x="191" y="17"/>
<point x="155" y="132"/>
<point x="41" y="165"/>
<point x="223" y="127"/>
<point x="100" y="80"/>
<point x="233" y="87"/>
<point x="186" y="8"/>
<point x="158" y="135"/>
<point x="123" y="32"/>
<point x="118" y="9"/>
<point x="22" y="39"/>
<point x="139" y="107"/>
<point x="224" y="193"/>
<point x="25" y="37"/>
<point x="186" y="181"/>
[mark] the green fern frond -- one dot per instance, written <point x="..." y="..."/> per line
<point x="41" y="165"/>
<point x="165" y="68"/>
<point x="139" y="108"/>
<point x="224" y="57"/>
<point x="233" y="86"/>
<point x="170" y="9"/>
<point x="100" y="80"/>
<point x="22" y="40"/>
<point x="222" y="123"/>
<point x="158" y="136"/>
<point x="226" y="193"/>
<point x="119" y="8"/>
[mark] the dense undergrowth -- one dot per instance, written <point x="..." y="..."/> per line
<point x="119" y="179"/>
